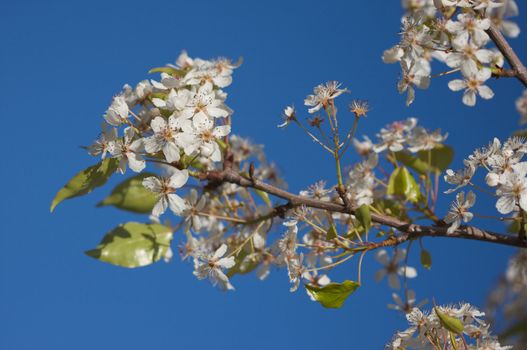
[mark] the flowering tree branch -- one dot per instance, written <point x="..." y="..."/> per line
<point x="208" y="176"/>
<point x="410" y="231"/>
<point x="518" y="68"/>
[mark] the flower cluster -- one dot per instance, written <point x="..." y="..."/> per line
<point x="434" y="330"/>
<point x="401" y="135"/>
<point x="505" y="171"/>
<point x="453" y="32"/>
<point x="181" y="118"/>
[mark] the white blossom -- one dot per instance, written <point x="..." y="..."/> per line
<point x="459" y="210"/>
<point x="118" y="111"/>
<point x="469" y="26"/>
<point x="165" y="188"/>
<point x="473" y="85"/>
<point x="128" y="151"/>
<point x="211" y="266"/>
<point x="392" y="267"/>
<point x="324" y="94"/>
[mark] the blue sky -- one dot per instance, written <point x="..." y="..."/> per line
<point x="61" y="63"/>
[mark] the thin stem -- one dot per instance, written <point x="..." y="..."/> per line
<point x="237" y="250"/>
<point x="482" y="189"/>
<point x="313" y="136"/>
<point x="360" y="266"/>
<point x="221" y="217"/>
<point x="350" y="136"/>
<point x="329" y="266"/>
<point x="445" y="73"/>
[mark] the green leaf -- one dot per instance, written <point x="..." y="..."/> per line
<point x="426" y="259"/>
<point x="86" y="181"/>
<point x="411" y="161"/>
<point x="133" y="245"/>
<point x="168" y="70"/>
<point x="131" y="195"/>
<point x="364" y="216"/>
<point x="450" y="323"/>
<point x="333" y="295"/>
<point x="403" y="184"/>
<point x="440" y="157"/>
<point x="265" y="197"/>
<point x="245" y="263"/>
<point x="331" y="232"/>
<point x="514" y="227"/>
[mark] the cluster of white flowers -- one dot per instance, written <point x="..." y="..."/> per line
<point x="406" y="134"/>
<point x="182" y="115"/>
<point x="429" y="331"/>
<point x="452" y="32"/>
<point x="505" y="171"/>
<point x="398" y="136"/>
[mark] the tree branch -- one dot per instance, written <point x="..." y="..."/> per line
<point x="409" y="231"/>
<point x="514" y="61"/>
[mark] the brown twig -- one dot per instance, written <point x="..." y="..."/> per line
<point x="408" y="231"/>
<point x="517" y="67"/>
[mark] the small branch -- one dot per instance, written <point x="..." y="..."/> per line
<point x="514" y="61"/>
<point x="409" y="231"/>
